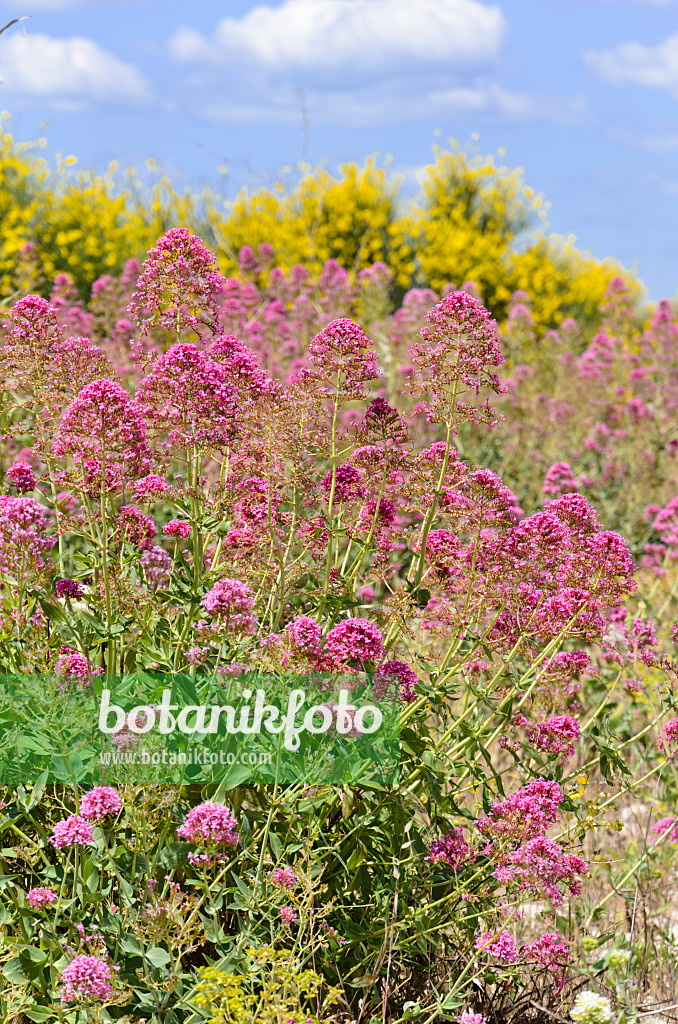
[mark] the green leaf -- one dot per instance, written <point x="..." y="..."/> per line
<point x="174" y="855"/>
<point x="157" y="956"/>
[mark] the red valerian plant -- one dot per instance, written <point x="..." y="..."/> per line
<point x="245" y="485"/>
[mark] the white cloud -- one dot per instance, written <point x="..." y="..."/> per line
<point x="358" y="37"/>
<point x="62" y="70"/>
<point x="653" y="66"/>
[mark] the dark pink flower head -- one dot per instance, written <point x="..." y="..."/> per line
<point x="550" y="953"/>
<point x="525" y="814"/>
<point x="187" y="397"/>
<point x="341" y="357"/>
<point x="354" y="640"/>
<point x="73" y="831"/>
<point x="242" y="367"/>
<point x="135" y="527"/>
<point x="383" y="515"/>
<point x="457" y="350"/>
<point x="102" y="426"/>
<point x="21" y="476"/>
<point x="559" y="479"/>
<point x="100" y="802"/>
<point x="556" y="735"/>
<point x="86" y="978"/>
<point x="381" y="425"/>
<point x="348" y="484"/>
<point x="177" y="528"/>
<point x="394" y="680"/>
<point x="40" y="898"/>
<point x="451" y="849"/>
<point x="231" y="601"/>
<point x="576" y="512"/>
<point x="68" y="588"/>
<point x="285" y="878"/>
<point x="151" y="486"/>
<point x="178" y="287"/>
<point x="73" y="665"/>
<point x="210" y="824"/>
<point x="671" y="733"/>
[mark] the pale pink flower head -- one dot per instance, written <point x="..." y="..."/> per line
<point x="285" y="878"/>
<point x="500" y="946"/>
<point x="665" y="827"/>
<point x="157" y="566"/>
<point x="468" y="1017"/>
<point x="40" y="898"/>
<point x="231" y="601"/>
<point x="21" y="476"/>
<point x="559" y="480"/>
<point x="23" y="537"/>
<point x="72" y="831"/>
<point x="288" y="916"/>
<point x="354" y="640"/>
<point x="86" y="978"/>
<point x="550" y="953"/>
<point x="100" y="802"/>
<point x="178" y="287"/>
<point x="305" y="636"/>
<point x="210" y="824"/>
<point x="341" y="357"/>
<point x="541" y="867"/>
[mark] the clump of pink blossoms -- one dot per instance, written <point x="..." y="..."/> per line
<point x="451" y="849"/>
<point x="40" y="898"/>
<point x="341" y="356"/>
<point x="499" y="946"/>
<point x="72" y="831"/>
<point x="21" y="476"/>
<point x="85" y="978"/>
<point x="177" y="528"/>
<point x="210" y="824"/>
<point x="551" y="953"/>
<point x="68" y="588"/>
<point x="284" y="877"/>
<point x="157" y="566"/>
<point x="665" y="827"/>
<point x="354" y="640"/>
<point x="525" y="814"/>
<point x="468" y="1017"/>
<point x="559" y="480"/>
<point x="231" y="601"/>
<point x="394" y="675"/>
<point x="179" y="286"/>
<point x="288" y="916"/>
<point x="100" y="802"/>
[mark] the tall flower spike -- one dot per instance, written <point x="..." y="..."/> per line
<point x="178" y="287"/>
<point x="102" y="426"/>
<point x="341" y="359"/>
<point x="455" y="356"/>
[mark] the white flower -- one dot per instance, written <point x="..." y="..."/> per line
<point x="590" y="1008"/>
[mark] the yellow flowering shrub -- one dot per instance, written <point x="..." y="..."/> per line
<point x="473" y="220"/>
<point x="352" y="218"/>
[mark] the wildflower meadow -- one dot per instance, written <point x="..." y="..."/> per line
<point x="444" y="505"/>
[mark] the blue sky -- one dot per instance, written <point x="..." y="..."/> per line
<point x="582" y="94"/>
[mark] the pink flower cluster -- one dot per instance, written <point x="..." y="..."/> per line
<point x="525" y="814"/>
<point x="86" y="978"/>
<point x="210" y="824"/>
<point x="231" y="601"/>
<point x="21" y="476"/>
<point x="284" y="877"/>
<point x="100" y="802"/>
<point x="451" y="849"/>
<point x="40" y="898"/>
<point x="499" y="946"/>
<point x="354" y="641"/>
<point x="72" y="831"/>
<point x="550" y="953"/>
